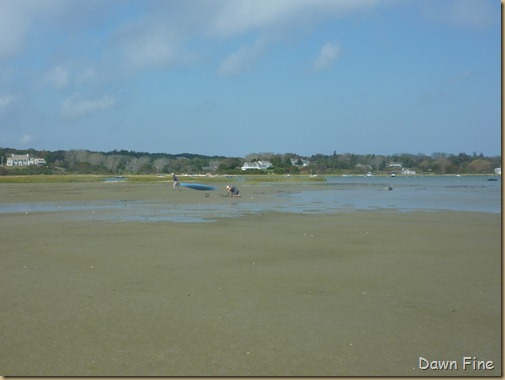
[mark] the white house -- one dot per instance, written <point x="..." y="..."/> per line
<point x="38" y="161"/>
<point x="305" y="163"/>
<point x="18" y="160"/>
<point x="24" y="160"/>
<point x="408" y="172"/>
<point x="257" y="165"/>
<point x="497" y="171"/>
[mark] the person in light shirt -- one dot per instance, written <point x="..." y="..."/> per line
<point x="232" y="191"/>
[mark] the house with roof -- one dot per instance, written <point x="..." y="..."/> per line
<point x="24" y="160"/>
<point x="256" y="165"/>
<point x="408" y="171"/>
<point x="38" y="161"/>
<point x="18" y="160"/>
<point x="296" y="162"/>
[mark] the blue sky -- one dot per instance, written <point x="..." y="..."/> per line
<point x="235" y="77"/>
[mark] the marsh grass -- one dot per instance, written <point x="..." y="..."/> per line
<point x="283" y="178"/>
<point x="50" y="178"/>
<point x="75" y="178"/>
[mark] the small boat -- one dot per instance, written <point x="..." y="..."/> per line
<point x="198" y="186"/>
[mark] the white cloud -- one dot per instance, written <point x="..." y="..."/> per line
<point x="267" y="18"/>
<point x="327" y="55"/>
<point x="16" y="18"/>
<point x="158" y="34"/>
<point x="86" y="75"/>
<point x="233" y="17"/>
<point x="160" y="39"/>
<point x="5" y="101"/>
<point x="76" y="106"/>
<point x="13" y="27"/>
<point x="70" y="75"/>
<point x="241" y="59"/>
<point x="151" y="42"/>
<point x="25" y="139"/>
<point x="57" y="77"/>
<point x="19" y="18"/>
<point x="462" y="13"/>
<point x="474" y="13"/>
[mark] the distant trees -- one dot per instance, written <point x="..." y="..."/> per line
<point x="480" y="166"/>
<point x="130" y="162"/>
<point x="230" y="165"/>
<point x="437" y="163"/>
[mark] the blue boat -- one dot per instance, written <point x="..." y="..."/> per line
<point x="198" y="186"/>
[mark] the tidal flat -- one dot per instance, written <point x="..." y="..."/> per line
<point x="364" y="293"/>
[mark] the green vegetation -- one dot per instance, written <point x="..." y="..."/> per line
<point x="49" y="178"/>
<point x="154" y="166"/>
<point x="68" y="178"/>
<point x="283" y="178"/>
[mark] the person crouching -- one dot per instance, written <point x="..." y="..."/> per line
<point x="232" y="191"/>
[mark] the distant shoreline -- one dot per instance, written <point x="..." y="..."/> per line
<point x="250" y="178"/>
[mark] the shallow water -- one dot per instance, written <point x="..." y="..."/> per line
<point x="407" y="194"/>
<point x="337" y="194"/>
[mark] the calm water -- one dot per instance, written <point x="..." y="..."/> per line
<point x="337" y="194"/>
<point x="408" y="194"/>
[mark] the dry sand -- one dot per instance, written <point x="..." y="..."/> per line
<point x="357" y="293"/>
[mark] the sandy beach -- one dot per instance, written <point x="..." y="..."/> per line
<point x="366" y="293"/>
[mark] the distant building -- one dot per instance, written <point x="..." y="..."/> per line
<point x="395" y="167"/>
<point x="304" y="162"/>
<point x="38" y="161"/>
<point x="408" y="172"/>
<point x="257" y="165"/>
<point x="24" y="160"/>
<point x="497" y="171"/>
<point x="18" y="160"/>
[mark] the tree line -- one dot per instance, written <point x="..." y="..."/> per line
<point x="131" y="162"/>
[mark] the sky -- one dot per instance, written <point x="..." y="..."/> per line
<point x="237" y="77"/>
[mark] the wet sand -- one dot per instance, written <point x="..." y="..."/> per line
<point x="356" y="293"/>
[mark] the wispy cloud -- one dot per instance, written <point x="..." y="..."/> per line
<point x="57" y="77"/>
<point x="76" y="106"/>
<point x="25" y="139"/>
<point x="73" y="74"/>
<point x="161" y="36"/>
<point x="5" y="101"/>
<point x="232" y="17"/>
<point x="238" y="61"/>
<point x="85" y="75"/>
<point x="148" y="44"/>
<point x="329" y="53"/>
<point x="461" y="13"/>
<point x="447" y="90"/>
<point x="17" y="17"/>
<point x="14" y="25"/>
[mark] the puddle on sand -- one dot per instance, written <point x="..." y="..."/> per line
<point x="136" y="211"/>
